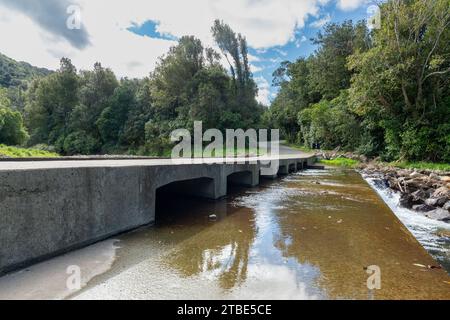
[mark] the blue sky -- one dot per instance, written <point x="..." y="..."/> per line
<point x="129" y="36"/>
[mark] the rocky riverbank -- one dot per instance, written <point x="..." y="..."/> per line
<point x="424" y="191"/>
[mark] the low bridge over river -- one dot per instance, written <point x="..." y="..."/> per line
<point x="50" y="207"/>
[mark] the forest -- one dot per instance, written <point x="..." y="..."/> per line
<point x="92" y="112"/>
<point x="382" y="92"/>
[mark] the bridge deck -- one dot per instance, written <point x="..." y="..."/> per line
<point x="6" y="165"/>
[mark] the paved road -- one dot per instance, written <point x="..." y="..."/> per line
<point x="285" y="153"/>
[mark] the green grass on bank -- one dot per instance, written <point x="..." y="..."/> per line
<point x="298" y="147"/>
<point x="421" y="165"/>
<point x="16" y="152"/>
<point x="167" y="152"/>
<point x="248" y="152"/>
<point x="341" y="162"/>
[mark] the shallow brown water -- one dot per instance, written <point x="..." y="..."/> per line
<point x="307" y="236"/>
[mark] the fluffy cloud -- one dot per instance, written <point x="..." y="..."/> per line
<point x="36" y="32"/>
<point x="321" y="22"/>
<point x="348" y="5"/>
<point x="104" y="36"/>
<point x="264" y="90"/>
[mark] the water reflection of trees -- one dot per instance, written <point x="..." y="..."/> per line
<point x="341" y="234"/>
<point x="220" y="250"/>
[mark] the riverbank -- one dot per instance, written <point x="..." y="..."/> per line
<point x="426" y="192"/>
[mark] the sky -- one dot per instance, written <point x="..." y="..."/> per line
<point x="129" y="36"/>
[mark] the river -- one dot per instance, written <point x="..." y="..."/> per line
<point x="309" y="235"/>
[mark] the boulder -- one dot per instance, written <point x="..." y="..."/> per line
<point x="439" y="214"/>
<point x="436" y="202"/>
<point x="403" y="173"/>
<point x="420" y="195"/>
<point x="380" y="183"/>
<point x="445" y="179"/>
<point x="413" y="184"/>
<point x="423" y="208"/>
<point x="363" y="159"/>
<point x="446" y="206"/>
<point x="393" y="183"/>
<point x="433" y="176"/>
<point x="415" y="175"/>
<point x="406" y="200"/>
<point x="441" y="192"/>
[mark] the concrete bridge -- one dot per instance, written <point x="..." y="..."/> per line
<point x="50" y="207"/>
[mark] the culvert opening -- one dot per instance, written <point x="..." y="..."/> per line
<point x="237" y="181"/>
<point x="184" y="202"/>
<point x="292" y="168"/>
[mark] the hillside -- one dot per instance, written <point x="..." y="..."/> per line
<point x="15" y="74"/>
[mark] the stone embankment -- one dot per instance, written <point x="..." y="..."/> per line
<point x="424" y="191"/>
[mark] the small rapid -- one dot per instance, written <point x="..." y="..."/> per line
<point x="424" y="229"/>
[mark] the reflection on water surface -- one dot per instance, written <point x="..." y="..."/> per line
<point x="307" y="236"/>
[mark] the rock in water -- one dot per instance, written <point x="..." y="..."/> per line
<point x="420" y="195"/>
<point x="380" y="183"/>
<point x="446" y="206"/>
<point x="406" y="201"/>
<point x="439" y="214"/>
<point x="423" y="208"/>
<point x="436" y="202"/>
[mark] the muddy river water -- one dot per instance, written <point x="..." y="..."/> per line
<point x="309" y="235"/>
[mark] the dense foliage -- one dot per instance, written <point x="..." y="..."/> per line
<point x="15" y="74"/>
<point x="87" y="112"/>
<point x="383" y="92"/>
<point x="12" y="130"/>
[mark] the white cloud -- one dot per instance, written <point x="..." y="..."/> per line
<point x="255" y="69"/>
<point x="111" y="43"/>
<point x="321" y="22"/>
<point x="253" y="58"/>
<point x="266" y="24"/>
<point x="348" y="5"/>
<point x="282" y="52"/>
<point x="299" y="42"/>
<point x="263" y="90"/>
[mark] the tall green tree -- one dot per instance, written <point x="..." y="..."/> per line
<point x="402" y="83"/>
<point x="50" y="102"/>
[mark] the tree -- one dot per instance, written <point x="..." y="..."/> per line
<point x="235" y="46"/>
<point x="112" y="120"/>
<point x="50" y="102"/>
<point x="402" y="83"/>
<point x="328" y="72"/>
<point x="12" y="130"/>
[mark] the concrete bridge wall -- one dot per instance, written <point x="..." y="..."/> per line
<point x="45" y="212"/>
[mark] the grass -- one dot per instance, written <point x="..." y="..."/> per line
<point x="16" y="152"/>
<point x="421" y="165"/>
<point x="239" y="152"/>
<point x="167" y="153"/>
<point x="340" y="162"/>
<point x="298" y="147"/>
